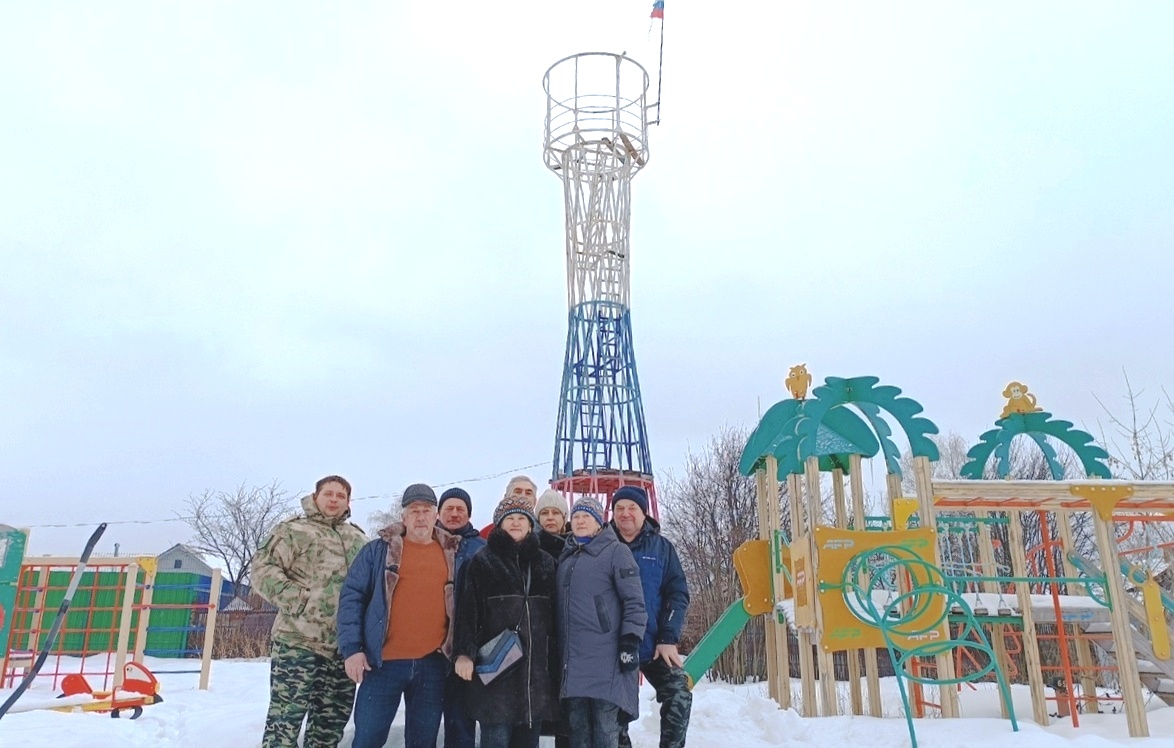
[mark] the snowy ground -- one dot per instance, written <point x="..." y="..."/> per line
<point x="231" y="714"/>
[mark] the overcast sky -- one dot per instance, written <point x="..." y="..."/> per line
<point x="252" y="241"/>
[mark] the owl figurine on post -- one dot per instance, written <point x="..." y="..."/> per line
<point x="797" y="381"/>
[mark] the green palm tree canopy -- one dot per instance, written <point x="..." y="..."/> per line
<point x="1038" y="426"/>
<point x="793" y="430"/>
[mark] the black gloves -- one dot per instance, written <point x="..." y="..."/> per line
<point x="629" y="653"/>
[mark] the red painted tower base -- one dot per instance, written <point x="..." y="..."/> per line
<point x="601" y="484"/>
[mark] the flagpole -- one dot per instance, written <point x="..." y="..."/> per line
<point x="660" y="71"/>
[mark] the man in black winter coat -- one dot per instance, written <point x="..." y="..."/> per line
<point x="456" y="506"/>
<point x="666" y="598"/>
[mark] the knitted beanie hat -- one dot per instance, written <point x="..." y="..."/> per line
<point x="513" y="505"/>
<point x="589" y="505"/>
<point x="457" y="493"/>
<point x="552" y="499"/>
<point x="634" y="494"/>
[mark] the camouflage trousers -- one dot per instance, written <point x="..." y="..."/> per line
<point x="310" y="686"/>
<point x="676" y="704"/>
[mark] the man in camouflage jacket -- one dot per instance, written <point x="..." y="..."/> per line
<point x="300" y="569"/>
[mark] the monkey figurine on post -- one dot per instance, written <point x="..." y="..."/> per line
<point x="1019" y="400"/>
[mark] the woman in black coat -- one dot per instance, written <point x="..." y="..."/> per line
<point x="508" y="585"/>
<point x="553" y="529"/>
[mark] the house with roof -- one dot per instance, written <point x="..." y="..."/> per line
<point x="183" y="558"/>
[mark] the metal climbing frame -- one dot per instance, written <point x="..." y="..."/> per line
<point x="109" y="622"/>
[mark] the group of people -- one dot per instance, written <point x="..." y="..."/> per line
<point x="408" y="617"/>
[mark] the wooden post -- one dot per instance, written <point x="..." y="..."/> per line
<point x="128" y="609"/>
<point x="799" y="528"/>
<point x="149" y="570"/>
<point x="1084" y="656"/>
<point x="871" y="667"/>
<point x="827" y="669"/>
<point x="40" y="585"/>
<point x="893" y="486"/>
<point x="776" y="631"/>
<point x="986" y="555"/>
<point x="210" y="629"/>
<point x="1122" y="630"/>
<point x="772" y="669"/>
<point x="852" y="655"/>
<point x="923" y="482"/>
<point x="1018" y="551"/>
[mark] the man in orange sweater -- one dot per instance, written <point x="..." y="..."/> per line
<point x="394" y="615"/>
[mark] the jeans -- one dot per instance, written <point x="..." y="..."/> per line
<point x="420" y="683"/>
<point x="593" y="723"/>
<point x="676" y="703"/>
<point x="459" y="730"/>
<point x="503" y="735"/>
<point x="558" y="730"/>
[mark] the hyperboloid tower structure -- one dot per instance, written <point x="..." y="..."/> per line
<point x="596" y="140"/>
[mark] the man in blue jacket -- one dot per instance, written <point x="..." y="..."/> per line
<point x="394" y="614"/>
<point x="456" y="506"/>
<point x="666" y="598"/>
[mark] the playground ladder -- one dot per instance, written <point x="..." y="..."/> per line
<point x="1156" y="675"/>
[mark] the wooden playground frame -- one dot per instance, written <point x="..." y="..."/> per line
<point x="797" y="561"/>
<point x="132" y="602"/>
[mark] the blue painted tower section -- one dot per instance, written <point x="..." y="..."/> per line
<point x="601" y="427"/>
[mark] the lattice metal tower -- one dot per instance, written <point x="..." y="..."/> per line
<point x="596" y="140"/>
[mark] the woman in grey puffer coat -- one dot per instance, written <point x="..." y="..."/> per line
<point x="600" y="621"/>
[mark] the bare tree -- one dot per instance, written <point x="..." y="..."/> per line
<point x="709" y="511"/>
<point x="381" y="518"/>
<point x="231" y="526"/>
<point x="952" y="449"/>
<point x="1140" y="441"/>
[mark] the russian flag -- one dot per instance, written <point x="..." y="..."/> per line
<point x="658" y="9"/>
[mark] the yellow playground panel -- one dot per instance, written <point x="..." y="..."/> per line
<point x="752" y="562"/>
<point x="903" y="510"/>
<point x="848" y="624"/>
<point x="804" y="583"/>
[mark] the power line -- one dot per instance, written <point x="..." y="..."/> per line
<point x="387" y="496"/>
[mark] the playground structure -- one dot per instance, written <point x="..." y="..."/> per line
<point x="947" y="583"/>
<point x="123" y="611"/>
<point x="137" y="688"/>
<point x="596" y="141"/>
